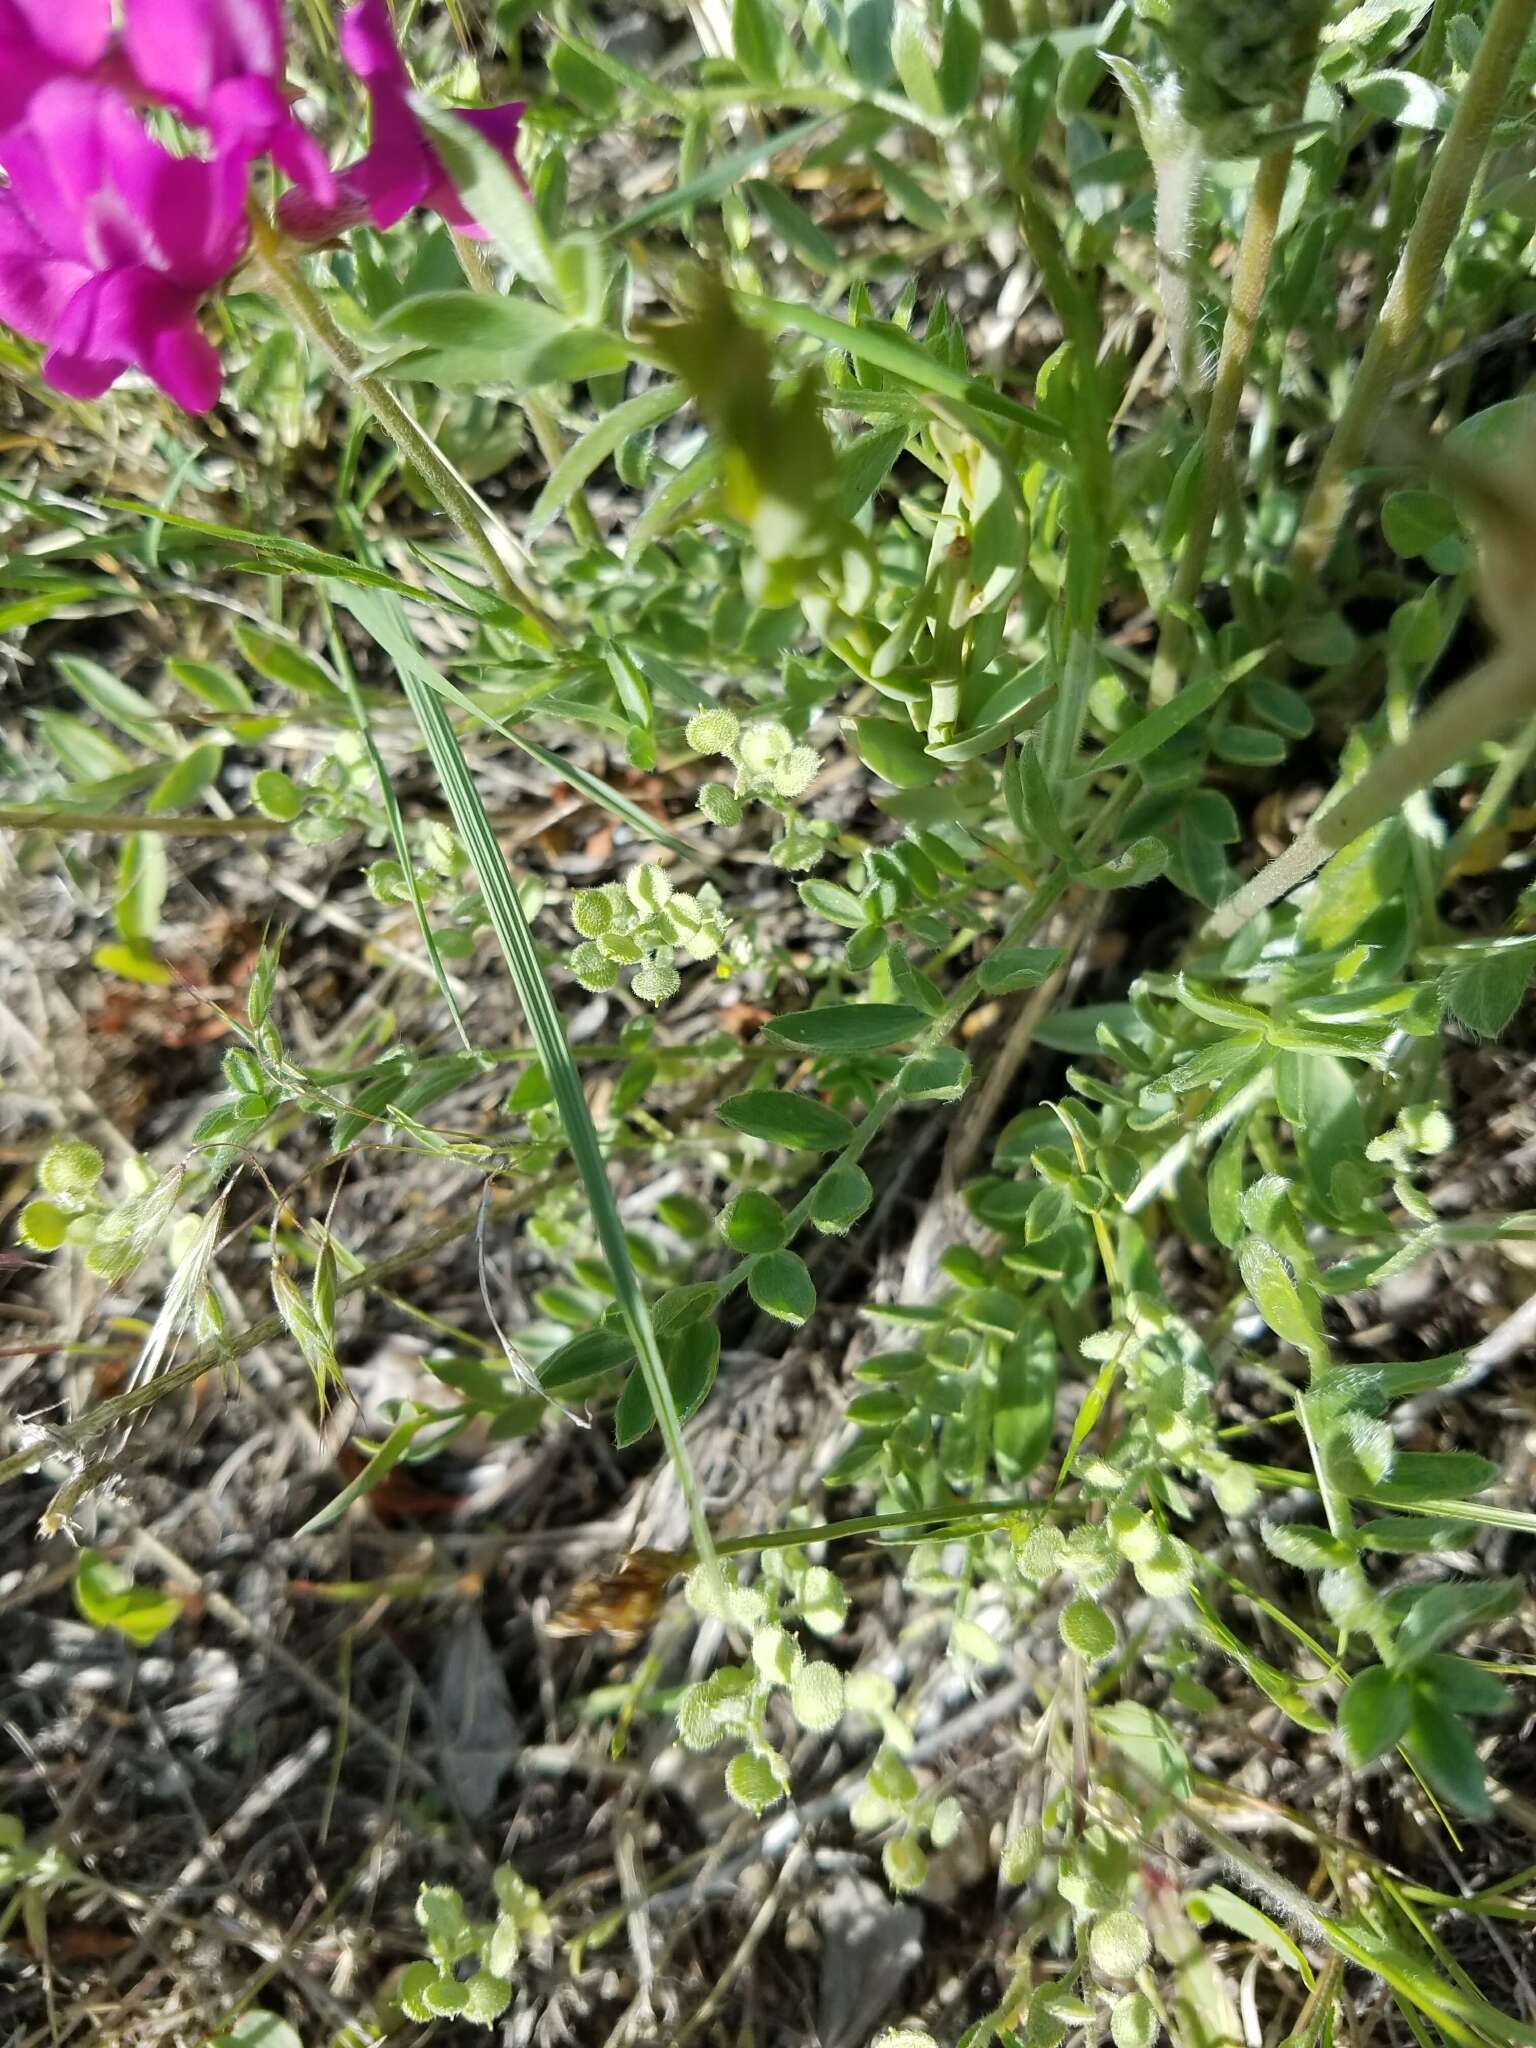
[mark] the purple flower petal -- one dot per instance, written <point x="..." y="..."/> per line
<point x="35" y="284"/>
<point x="75" y="33"/>
<point x="103" y="330"/>
<point x="41" y="40"/>
<point x="368" y="43"/>
<point x="181" y="50"/>
<point x="100" y="189"/>
<point x="309" y="221"/>
<point x="220" y="63"/>
<point x="108" y="242"/>
<point x="133" y="318"/>
<point x="401" y="169"/>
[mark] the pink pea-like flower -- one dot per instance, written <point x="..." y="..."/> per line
<point x="219" y="63"/>
<point x="401" y="169"/>
<point x="43" y="40"/>
<point x="108" y="244"/>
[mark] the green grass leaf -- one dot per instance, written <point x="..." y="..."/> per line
<point x="594" y="448"/>
<point x="385" y="618"/>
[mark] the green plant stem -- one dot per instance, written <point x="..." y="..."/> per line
<point x="548" y="1029"/>
<point x="24" y="818"/>
<point x="223" y="1351"/>
<point x="1478" y="708"/>
<point x="1398" y="330"/>
<point x="1249" y="277"/>
<point x="1512" y="765"/>
<point x="492" y="545"/>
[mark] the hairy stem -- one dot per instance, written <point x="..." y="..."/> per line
<point x="1478" y="708"/>
<point x="1249" y="278"/>
<point x="1417" y="277"/>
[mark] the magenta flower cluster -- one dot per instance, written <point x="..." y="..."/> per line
<point x="109" y="241"/>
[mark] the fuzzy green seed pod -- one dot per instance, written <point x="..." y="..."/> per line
<point x="1168" y="1571"/>
<point x="1088" y="1557"/>
<point x="1118" y="1944"/>
<point x="773" y="1652"/>
<point x="591" y="912"/>
<point x="1045" y="2027"/>
<point x="648" y="887"/>
<point x="1022" y="1852"/>
<point x="764" y="745"/>
<point x="1134" y="2022"/>
<point x="906" y="1865"/>
<point x="816" y="1695"/>
<point x="948" y="1820"/>
<point x="1087" y="1630"/>
<point x="1235" y="1488"/>
<point x="697" y="1727"/>
<point x="592" y="968"/>
<point x="697" y="930"/>
<point x="823" y="1603"/>
<point x="487" y="1998"/>
<point x="1039" y="1555"/>
<point x="794" y="775"/>
<point x="41" y="1226"/>
<point x="387" y="883"/>
<point x="890" y="1779"/>
<point x="713" y="731"/>
<point x="70" y="1169"/>
<point x="757" y="1779"/>
<point x="656" y="980"/>
<point x="1134" y="1534"/>
<point x="719" y="805"/>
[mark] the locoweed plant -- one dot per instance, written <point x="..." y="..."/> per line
<point x="1094" y="747"/>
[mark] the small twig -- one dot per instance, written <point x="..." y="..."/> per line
<point x="1414" y="284"/>
<point x="750" y="1942"/>
<point x="225" y="1611"/>
<point x="276" y="1785"/>
<point x="1260" y="228"/>
<point x="1478" y="708"/>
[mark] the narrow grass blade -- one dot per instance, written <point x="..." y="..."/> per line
<point x="377" y="1469"/>
<point x="389" y="626"/>
<point x="593" y="787"/>
<point x="594" y="448"/>
<point x="359" y="710"/>
<point x="517" y="945"/>
<point x="904" y="358"/>
<point x="720" y="177"/>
